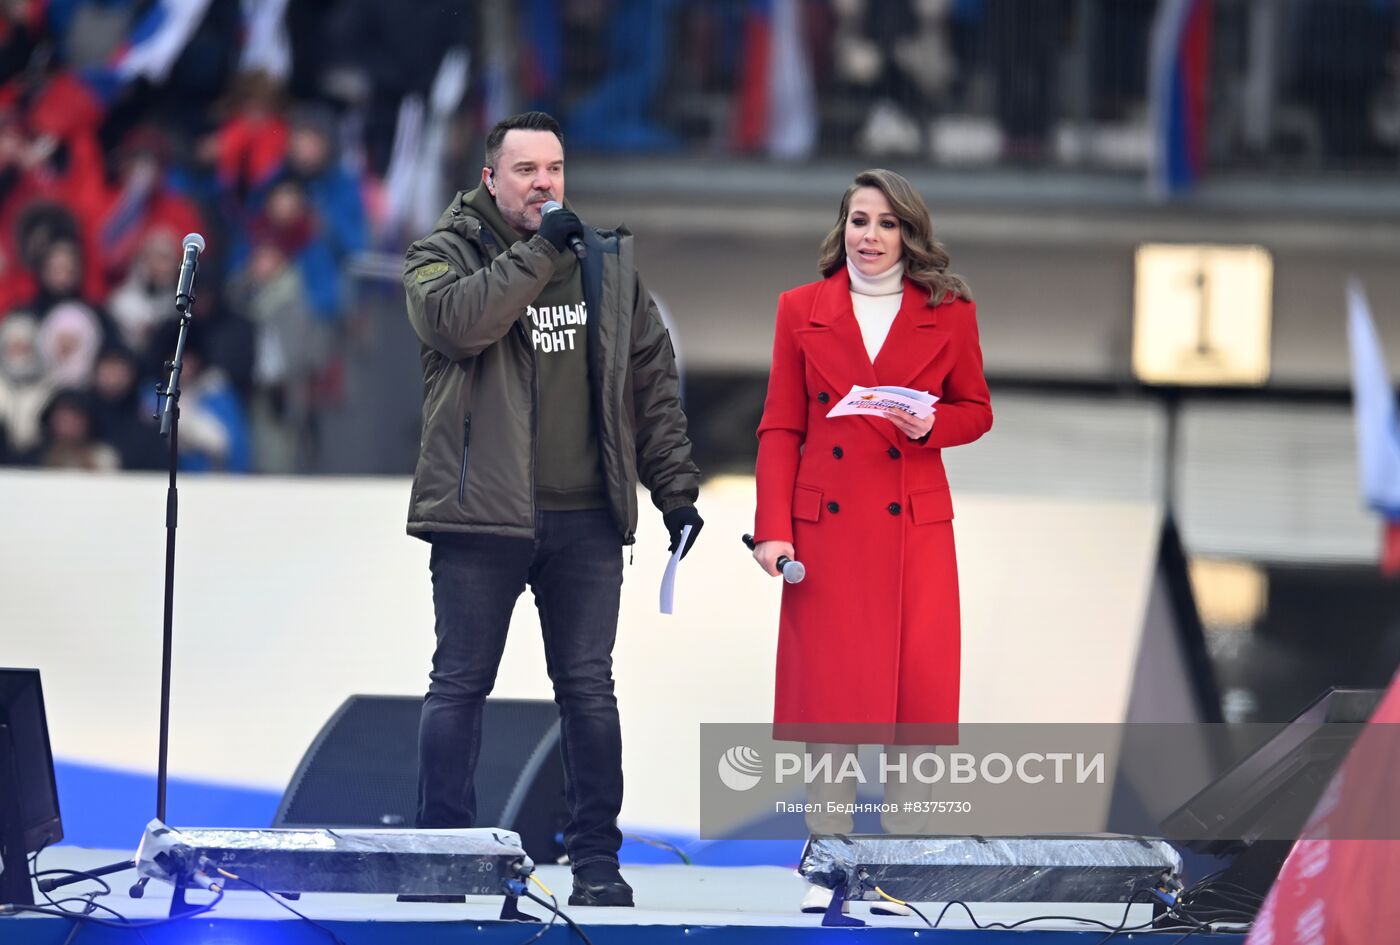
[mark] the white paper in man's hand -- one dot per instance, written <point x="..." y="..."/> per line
<point x="668" y="579"/>
<point x="873" y="401"/>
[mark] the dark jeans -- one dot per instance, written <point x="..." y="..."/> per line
<point x="574" y="567"/>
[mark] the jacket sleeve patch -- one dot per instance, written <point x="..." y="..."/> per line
<point x="431" y="271"/>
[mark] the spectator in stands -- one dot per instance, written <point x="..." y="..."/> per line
<point x="118" y="414"/>
<point x="35" y="227"/>
<point x="60" y="276"/>
<point x="145" y="302"/>
<point x="618" y="112"/>
<point x="20" y="186"/>
<point x="900" y="56"/>
<point x="291" y="347"/>
<point x="249" y="147"/>
<point x="65" y="118"/>
<point x="332" y="191"/>
<point x="213" y="424"/>
<point x="146" y="299"/>
<point x="142" y="201"/>
<point x="24" y="388"/>
<point x="230" y="339"/>
<point x="68" y="441"/>
<point x="70" y="336"/>
<point x="288" y="222"/>
<point x="38" y="226"/>
<point x="1024" y="40"/>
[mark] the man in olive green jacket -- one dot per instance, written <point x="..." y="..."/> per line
<point x="549" y="391"/>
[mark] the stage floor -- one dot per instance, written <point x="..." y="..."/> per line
<point x="675" y="903"/>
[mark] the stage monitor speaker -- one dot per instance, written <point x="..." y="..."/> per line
<point x="362" y="771"/>
<point x="1257" y="810"/>
<point x="1062" y="868"/>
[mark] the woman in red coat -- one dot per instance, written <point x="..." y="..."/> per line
<point x="868" y="644"/>
<point x="870" y="640"/>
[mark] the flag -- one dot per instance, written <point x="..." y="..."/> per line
<point x="266" y="45"/>
<point x="1337" y="885"/>
<point x="792" y="123"/>
<point x="158" y="38"/>
<point x="776" y="106"/>
<point x="1377" y="426"/>
<point x="151" y="48"/>
<point x="1180" y="67"/>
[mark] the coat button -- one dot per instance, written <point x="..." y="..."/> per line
<point x="823" y="397"/>
<point x="833" y="507"/>
<point x="838" y="452"/>
<point x="894" y="508"/>
<point x="893" y="451"/>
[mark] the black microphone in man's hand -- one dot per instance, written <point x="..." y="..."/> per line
<point x="562" y="227"/>
<point x="184" y="291"/>
<point x="793" y="571"/>
<point x="676" y="520"/>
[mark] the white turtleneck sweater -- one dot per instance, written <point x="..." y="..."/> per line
<point x="876" y="303"/>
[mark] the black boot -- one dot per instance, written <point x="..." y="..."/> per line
<point x="600" y="884"/>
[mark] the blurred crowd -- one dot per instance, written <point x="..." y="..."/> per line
<point x="965" y="81"/>
<point x="125" y="126"/>
<point x="297" y="135"/>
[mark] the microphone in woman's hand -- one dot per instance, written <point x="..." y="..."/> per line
<point x="793" y="571"/>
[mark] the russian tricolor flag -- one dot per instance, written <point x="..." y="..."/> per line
<point x="152" y="45"/>
<point x="776" y="105"/>
<point x="1377" y="424"/>
<point x="1181" y="36"/>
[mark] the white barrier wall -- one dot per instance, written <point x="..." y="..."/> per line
<point x="292" y="594"/>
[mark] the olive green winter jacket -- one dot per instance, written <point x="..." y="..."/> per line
<point x="466" y="301"/>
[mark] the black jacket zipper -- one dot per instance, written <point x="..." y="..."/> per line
<point x="466" y="447"/>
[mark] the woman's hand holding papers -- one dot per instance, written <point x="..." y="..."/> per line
<point x="915" y="428"/>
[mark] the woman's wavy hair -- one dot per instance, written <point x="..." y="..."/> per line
<point x="925" y="259"/>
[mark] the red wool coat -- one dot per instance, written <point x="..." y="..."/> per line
<point x="870" y="639"/>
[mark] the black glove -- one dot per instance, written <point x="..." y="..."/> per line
<point x="677" y="519"/>
<point x="559" y="226"/>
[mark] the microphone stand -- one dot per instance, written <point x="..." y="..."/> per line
<point x="170" y="427"/>
<point x="169" y="415"/>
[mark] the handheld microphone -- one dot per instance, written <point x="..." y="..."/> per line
<point x="793" y="571"/>
<point x="575" y="241"/>
<point x="184" y="292"/>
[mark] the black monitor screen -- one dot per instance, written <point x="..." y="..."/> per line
<point x="26" y="754"/>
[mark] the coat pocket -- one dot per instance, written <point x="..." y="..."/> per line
<point x="806" y="503"/>
<point x="466" y="454"/>
<point x="931" y="505"/>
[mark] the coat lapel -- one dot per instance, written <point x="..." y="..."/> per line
<point x="832" y="340"/>
<point x="833" y="344"/>
<point x="913" y="341"/>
